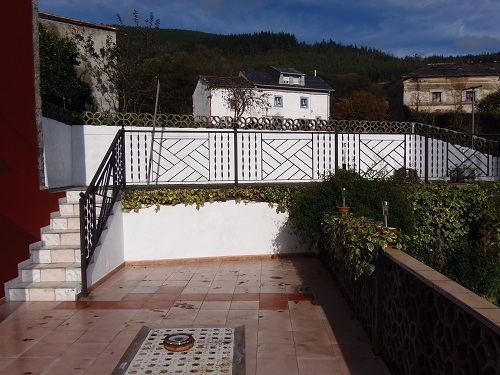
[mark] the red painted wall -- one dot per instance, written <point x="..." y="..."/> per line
<point x="24" y="207"/>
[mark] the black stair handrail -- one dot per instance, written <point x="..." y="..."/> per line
<point x="97" y="202"/>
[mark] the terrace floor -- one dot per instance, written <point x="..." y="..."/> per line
<point x="296" y="321"/>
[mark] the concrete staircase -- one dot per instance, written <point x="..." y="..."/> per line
<point x="52" y="273"/>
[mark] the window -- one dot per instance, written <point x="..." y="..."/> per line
<point x="468" y="96"/>
<point x="232" y="104"/>
<point x="304" y="102"/>
<point x="278" y="101"/>
<point x="436" y="97"/>
<point x="286" y="80"/>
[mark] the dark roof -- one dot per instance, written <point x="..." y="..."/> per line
<point x="226" y="82"/>
<point x="73" y="21"/>
<point x="270" y="78"/>
<point x="456" y="70"/>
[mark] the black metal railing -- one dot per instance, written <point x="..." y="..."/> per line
<point x="97" y="202"/>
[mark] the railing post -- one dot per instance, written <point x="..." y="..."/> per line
<point x="122" y="159"/>
<point x="235" y="131"/>
<point x="336" y="148"/>
<point x="426" y="158"/>
<point x="83" y="246"/>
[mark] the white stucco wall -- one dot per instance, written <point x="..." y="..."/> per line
<point x="90" y="144"/>
<point x="57" y="153"/>
<point x="217" y="229"/>
<point x="109" y="254"/>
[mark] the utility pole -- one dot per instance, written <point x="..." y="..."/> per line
<point x="473" y="88"/>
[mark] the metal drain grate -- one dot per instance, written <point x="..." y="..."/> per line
<point x="217" y="350"/>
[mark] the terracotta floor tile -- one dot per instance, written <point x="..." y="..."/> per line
<point x="307" y="325"/>
<point x="99" y="337"/>
<point x="274" y="315"/>
<point x="68" y="366"/>
<point x="128" y="304"/>
<point x="300" y="297"/>
<point x="273" y="305"/>
<point x="98" y="305"/>
<point x="136" y="297"/>
<point x="246" y="296"/>
<point x="45" y="350"/>
<point x="275" y="337"/>
<point x="101" y="366"/>
<point x="84" y="350"/>
<point x="216" y="305"/>
<point x="273" y="297"/>
<point x="362" y="366"/>
<point x="62" y="337"/>
<point x="32" y="366"/>
<point x="294" y="317"/>
<point x="275" y="325"/>
<point x="170" y="289"/>
<point x="211" y="317"/>
<point x="242" y="315"/>
<point x="244" y="305"/>
<point x="219" y="297"/>
<point x="328" y="366"/>
<point x="77" y="305"/>
<point x="192" y="297"/>
<point x="267" y="366"/>
<point x="157" y="305"/>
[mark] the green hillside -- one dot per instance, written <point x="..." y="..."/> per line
<point x="346" y="68"/>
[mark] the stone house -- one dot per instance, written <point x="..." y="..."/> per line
<point x="443" y="87"/>
<point x="103" y="91"/>
<point x="280" y="93"/>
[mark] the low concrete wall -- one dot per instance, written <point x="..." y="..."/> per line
<point x="215" y="230"/>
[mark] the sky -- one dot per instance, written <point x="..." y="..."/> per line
<point x="398" y="27"/>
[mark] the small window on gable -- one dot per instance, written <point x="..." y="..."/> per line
<point x="436" y="97"/>
<point x="304" y="102"/>
<point x="278" y="101"/>
<point x="286" y="80"/>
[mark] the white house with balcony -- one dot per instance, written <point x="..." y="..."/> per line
<point x="287" y="93"/>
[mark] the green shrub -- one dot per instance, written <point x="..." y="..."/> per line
<point x="354" y="242"/>
<point x="309" y="206"/>
<point x="457" y="232"/>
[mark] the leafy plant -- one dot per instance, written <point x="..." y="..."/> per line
<point x="308" y="207"/>
<point x="355" y="242"/>
<point x="135" y="199"/>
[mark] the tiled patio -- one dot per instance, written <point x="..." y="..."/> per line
<point x="296" y="321"/>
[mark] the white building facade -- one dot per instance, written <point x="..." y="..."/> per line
<point x="275" y="93"/>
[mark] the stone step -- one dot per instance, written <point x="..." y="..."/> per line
<point x="39" y="272"/>
<point x="51" y="237"/>
<point x="45" y="291"/>
<point x="57" y="221"/>
<point x="55" y="254"/>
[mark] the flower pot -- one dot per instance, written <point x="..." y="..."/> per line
<point x="388" y="229"/>
<point x="343" y="209"/>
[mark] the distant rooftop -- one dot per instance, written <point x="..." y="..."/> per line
<point x="271" y="78"/>
<point x="226" y="82"/>
<point x="456" y="70"/>
<point x="73" y="21"/>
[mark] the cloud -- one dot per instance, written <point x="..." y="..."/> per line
<point x="477" y="44"/>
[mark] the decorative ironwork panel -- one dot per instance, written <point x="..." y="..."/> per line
<point x="426" y="333"/>
<point x="249" y="156"/>
<point x="287" y="158"/>
<point x="380" y="156"/>
<point x="176" y="159"/>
